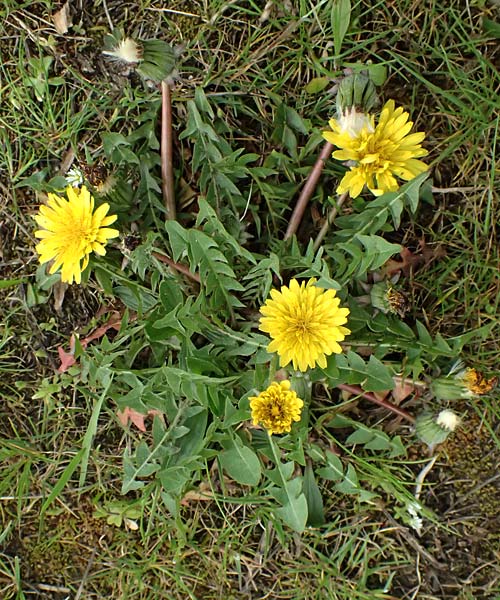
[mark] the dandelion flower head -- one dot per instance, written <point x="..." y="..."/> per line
<point x="476" y="383"/>
<point x="126" y="51"/>
<point x="448" y="420"/>
<point x="305" y="323"/>
<point x="353" y="123"/>
<point x="276" y="408"/>
<point x="378" y="153"/>
<point x="70" y="230"/>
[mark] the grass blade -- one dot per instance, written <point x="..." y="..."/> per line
<point x="341" y="17"/>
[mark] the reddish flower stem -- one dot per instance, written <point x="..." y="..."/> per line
<point x="177" y="266"/>
<point x="167" y="169"/>
<point x="308" y="190"/>
<point x="385" y="403"/>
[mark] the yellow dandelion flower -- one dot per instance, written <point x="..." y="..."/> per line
<point x="379" y="154"/>
<point x="71" y="230"/>
<point x="276" y="408"/>
<point x="305" y="324"/>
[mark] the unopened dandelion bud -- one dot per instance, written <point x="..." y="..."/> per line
<point x="434" y="430"/>
<point x="301" y="384"/>
<point x="158" y="60"/>
<point x="378" y="297"/>
<point x="466" y="383"/>
<point x="388" y="300"/>
<point x="356" y="90"/>
<point x="449" y="388"/>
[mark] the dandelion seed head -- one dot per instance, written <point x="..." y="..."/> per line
<point x="127" y="51"/>
<point x="448" y="420"/>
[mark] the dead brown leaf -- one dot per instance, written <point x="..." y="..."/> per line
<point x="137" y="418"/>
<point x="62" y="19"/>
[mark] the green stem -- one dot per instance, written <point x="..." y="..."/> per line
<point x="332" y="213"/>
<point x="273" y="367"/>
<point x="277" y="459"/>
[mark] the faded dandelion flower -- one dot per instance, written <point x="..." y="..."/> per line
<point x="276" y="408"/>
<point x="462" y="383"/>
<point x="305" y="323"/>
<point x="476" y="383"/>
<point x="126" y="50"/>
<point x="388" y="299"/>
<point x="447" y="419"/>
<point x="71" y="230"/>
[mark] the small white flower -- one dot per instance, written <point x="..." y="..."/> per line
<point x="74" y="177"/>
<point x="448" y="420"/>
<point x="127" y="51"/>
<point x="415" y="522"/>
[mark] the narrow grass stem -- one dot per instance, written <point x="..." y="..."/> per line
<point x="167" y="169"/>
<point x="308" y="190"/>
<point x="273" y="367"/>
<point x="451" y="190"/>
<point x="108" y="16"/>
<point x="385" y="403"/>
<point x="332" y="213"/>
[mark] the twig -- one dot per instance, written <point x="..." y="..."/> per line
<point x="410" y="539"/>
<point x="81" y="587"/>
<point x="46" y="587"/>
<point x="475" y="489"/>
<point x="177" y="266"/>
<point x="167" y="169"/>
<point x="451" y="190"/>
<point x="332" y="213"/>
<point x="308" y="190"/>
<point x="385" y="403"/>
<point x="108" y="16"/>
